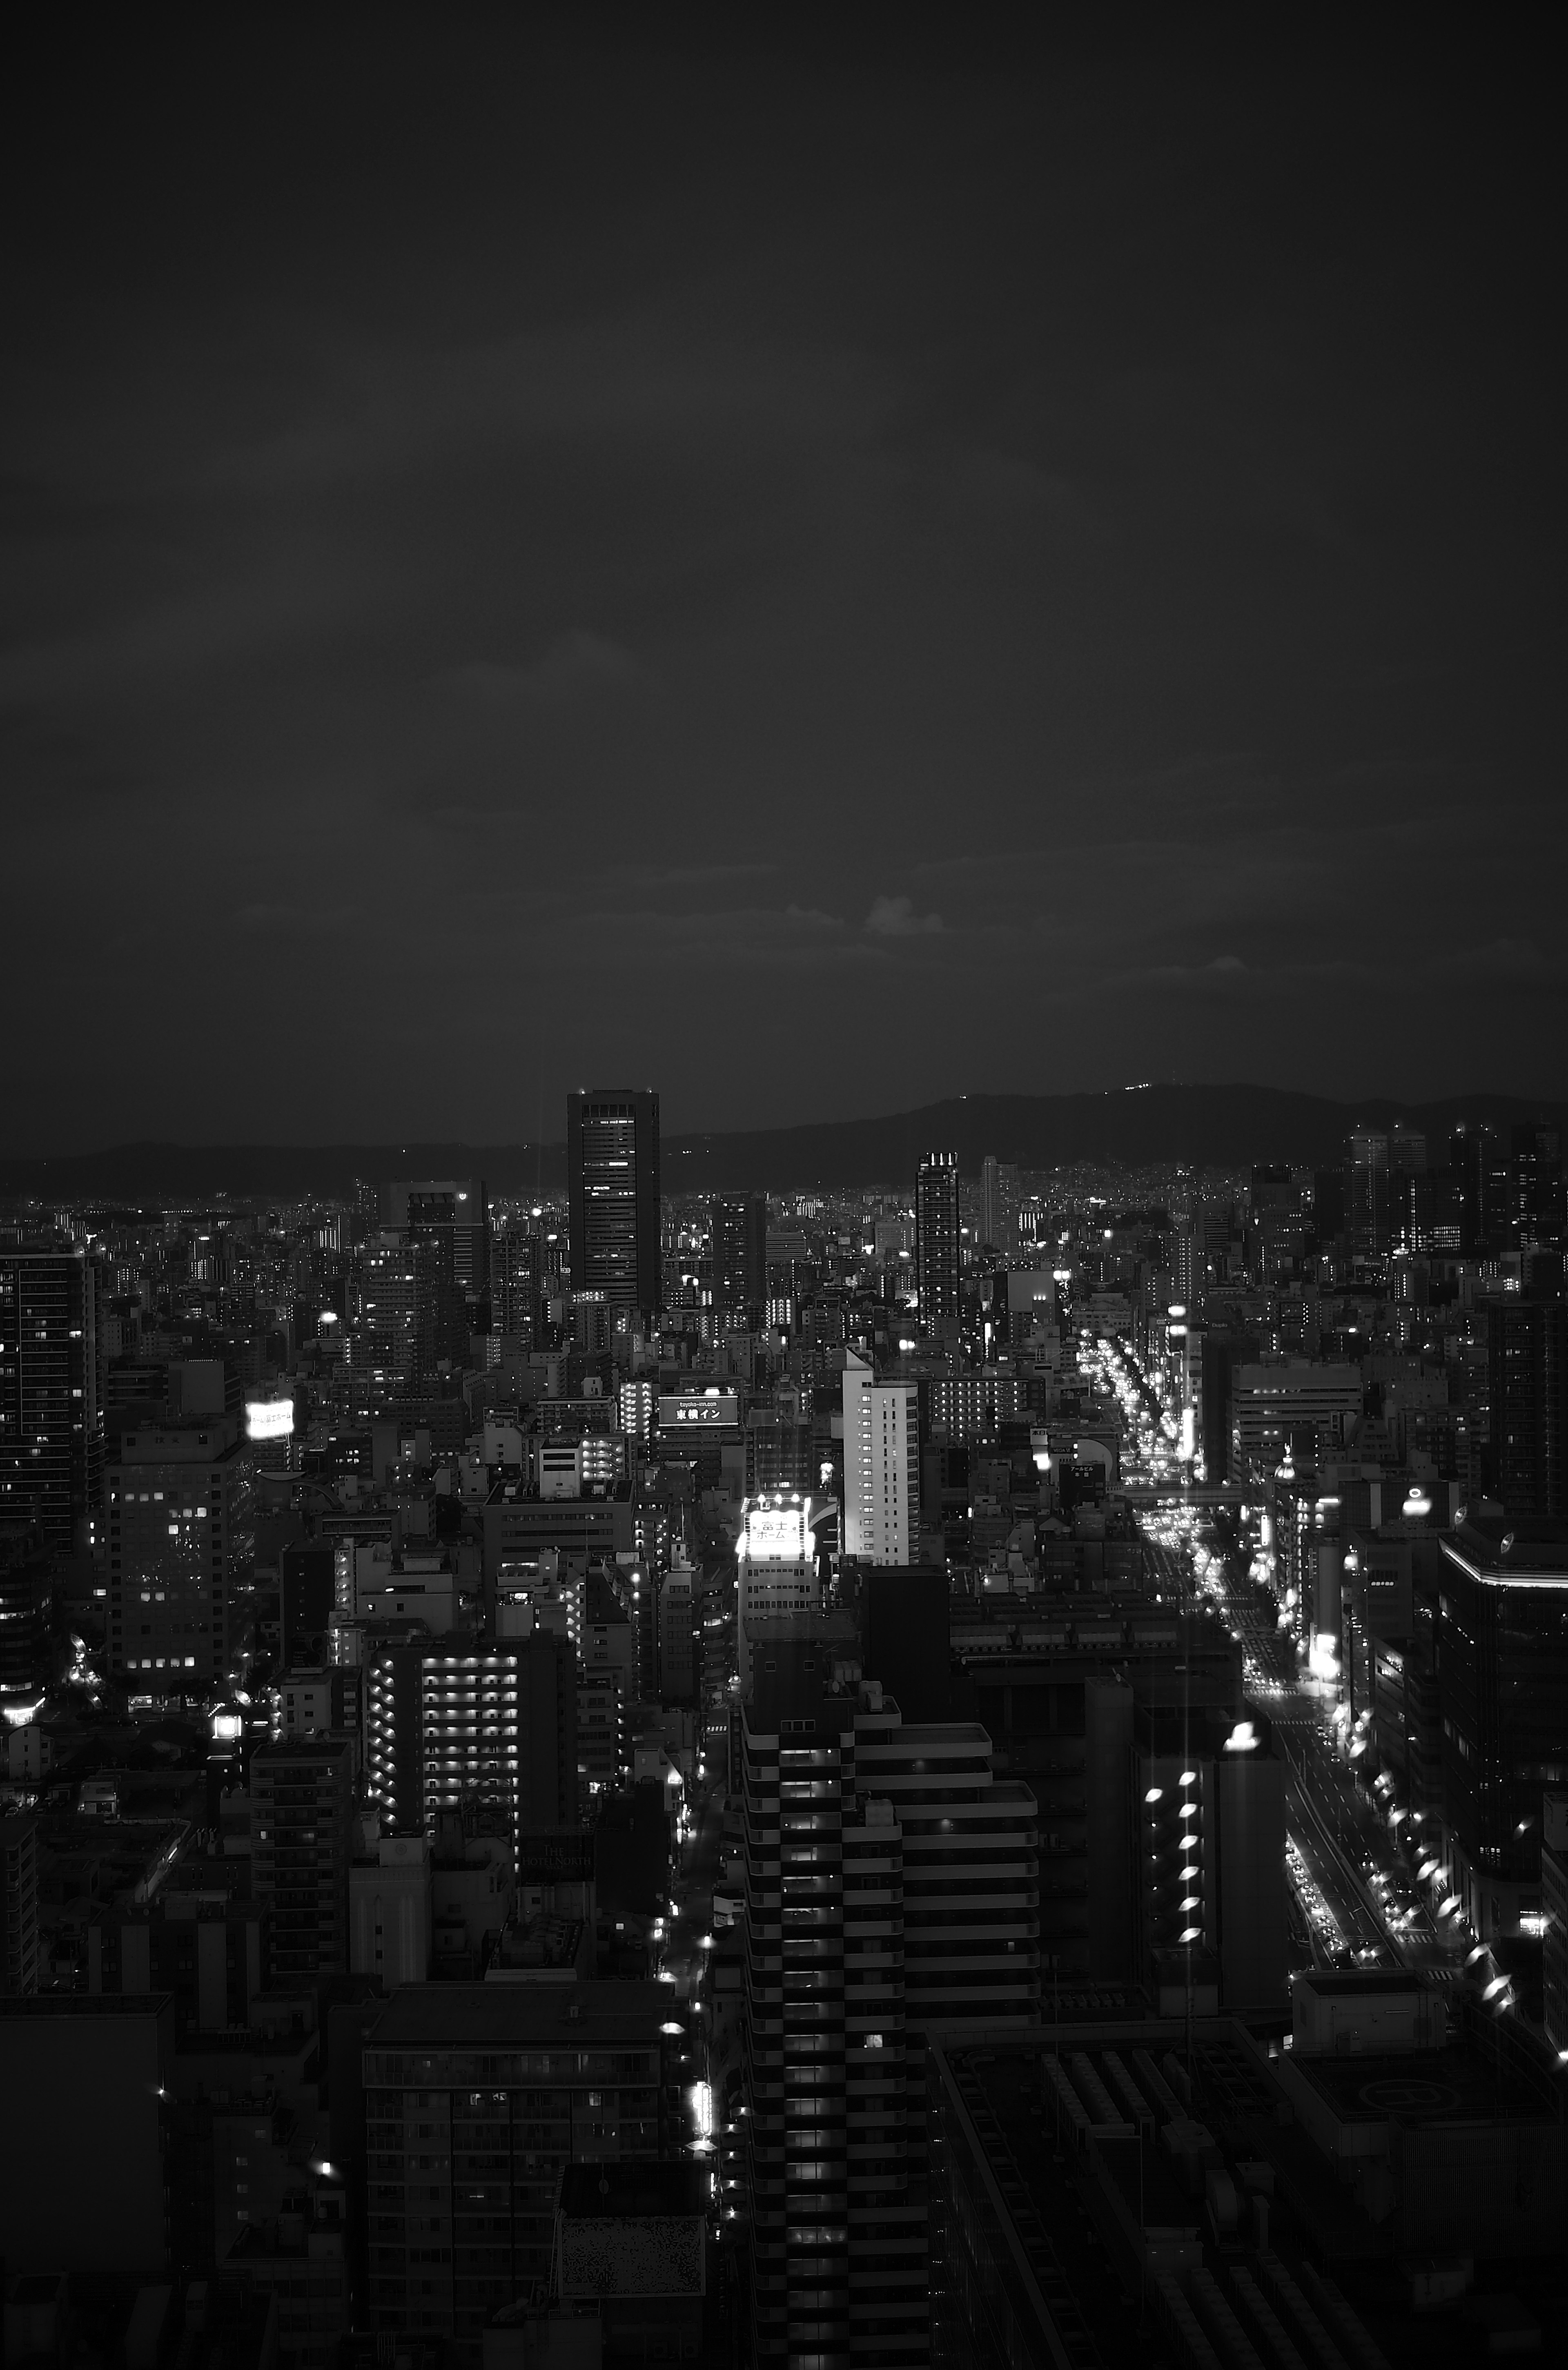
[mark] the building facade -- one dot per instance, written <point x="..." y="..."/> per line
<point x="477" y="2097"/>
<point x="51" y="1423"/>
<point x="882" y="1466"/>
<point x="457" y="1720"/>
<point x="937" y="1263"/>
<point x="181" y="1539"/>
<point x="302" y="1800"/>
<point x="834" y="2164"/>
<point x="613" y="1182"/>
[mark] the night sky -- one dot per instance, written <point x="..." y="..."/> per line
<point x="814" y="578"/>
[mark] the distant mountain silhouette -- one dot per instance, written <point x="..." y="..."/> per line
<point x="1213" y="1127"/>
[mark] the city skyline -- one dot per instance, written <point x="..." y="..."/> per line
<point x="783" y="1219"/>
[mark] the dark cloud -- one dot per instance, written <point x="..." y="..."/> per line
<point x="1044" y="565"/>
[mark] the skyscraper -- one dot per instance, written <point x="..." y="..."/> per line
<point x="882" y="1466"/>
<point x="516" y="1266"/>
<point x="738" y="1242"/>
<point x="392" y="1343"/>
<point x="936" y="1242"/>
<point x="301" y="1801"/>
<point x="1527" y="1374"/>
<point x="51" y="1438"/>
<point x="998" y="1205"/>
<point x="451" y="1216"/>
<point x="834" y="2165"/>
<point x="611" y="1155"/>
<point x="1366" y="1194"/>
<point x="182" y="1534"/>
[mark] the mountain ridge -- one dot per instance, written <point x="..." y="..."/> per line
<point x="1214" y="1127"/>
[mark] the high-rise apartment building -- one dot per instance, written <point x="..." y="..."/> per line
<point x="970" y="1852"/>
<point x="181" y="1538"/>
<point x="392" y="1339"/>
<point x="836" y="2167"/>
<point x="937" y="1242"/>
<point x="882" y="1466"/>
<point x="302" y="1802"/>
<point x="612" y="1155"/>
<point x="451" y="1216"/>
<point x="738" y="1246"/>
<point x="476" y="2098"/>
<point x="50" y="1424"/>
<point x="454" y="1721"/>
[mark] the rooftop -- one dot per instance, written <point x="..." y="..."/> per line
<point x="517" y="2016"/>
<point x="633" y="2191"/>
<point x="1460" y="2083"/>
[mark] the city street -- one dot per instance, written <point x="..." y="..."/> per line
<point x="1356" y="1895"/>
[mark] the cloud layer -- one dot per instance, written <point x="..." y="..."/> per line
<point x="524" y="560"/>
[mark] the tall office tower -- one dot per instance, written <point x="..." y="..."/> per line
<point x="1367" y="1195"/>
<point x="392" y="1343"/>
<point x="1535" y="1162"/>
<point x="454" y="1721"/>
<point x="738" y="1242"/>
<point x="1502" y="1654"/>
<point x="835" y="2157"/>
<point x="181" y="1539"/>
<point x="50" y="1424"/>
<point x="1470" y="1148"/>
<point x="1406" y="1172"/>
<point x="971" y="1867"/>
<point x="776" y="1566"/>
<point x="1527" y="1375"/>
<point x="19" y="1904"/>
<point x="451" y="1216"/>
<point x="476" y="2098"/>
<point x="882" y="1466"/>
<point x="302" y="1807"/>
<point x="998" y="1205"/>
<point x="936" y="1242"/>
<point x="612" y="1159"/>
<point x="515" y="1262"/>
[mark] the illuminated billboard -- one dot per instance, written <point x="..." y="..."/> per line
<point x="269" y="1418"/>
<point x="686" y="1410"/>
<point x="777" y="1535"/>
